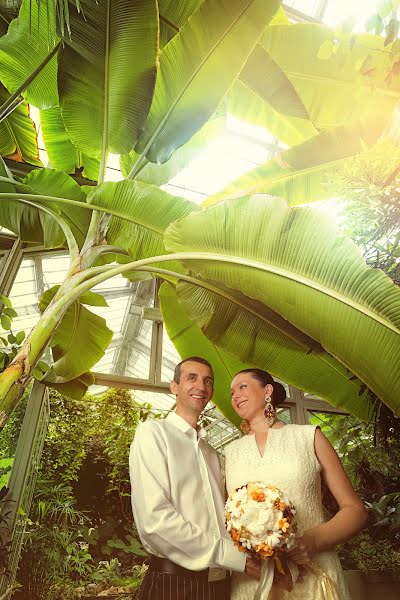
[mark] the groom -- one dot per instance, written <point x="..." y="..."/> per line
<point x="178" y="498"/>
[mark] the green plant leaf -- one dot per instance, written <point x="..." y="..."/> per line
<point x="107" y="72"/>
<point x="75" y="388"/>
<point x="208" y="53"/>
<point x="189" y="340"/>
<point x="301" y="173"/>
<point x="28" y="41"/>
<point x="93" y="299"/>
<point x="5" y="322"/>
<point x="151" y="208"/>
<point x="61" y="152"/>
<point x="301" y="268"/>
<point x="6" y="301"/>
<point x="174" y="14"/>
<point x="79" y="342"/>
<point x="263" y="75"/>
<point x="246" y="105"/>
<point x="161" y="174"/>
<point x="32" y="224"/>
<point x="18" y="138"/>
<point x="50" y="182"/>
<point x="332" y="90"/>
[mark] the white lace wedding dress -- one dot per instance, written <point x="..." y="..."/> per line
<point x="289" y="462"/>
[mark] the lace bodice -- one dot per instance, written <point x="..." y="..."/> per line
<point x="289" y="463"/>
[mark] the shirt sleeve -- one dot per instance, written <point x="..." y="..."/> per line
<point x="160" y="526"/>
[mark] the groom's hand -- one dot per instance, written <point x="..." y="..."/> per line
<point x="283" y="581"/>
<point x="253" y="568"/>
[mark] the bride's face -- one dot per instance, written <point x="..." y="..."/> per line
<point x="248" y="396"/>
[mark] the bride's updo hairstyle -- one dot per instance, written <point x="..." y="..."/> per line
<point x="278" y="395"/>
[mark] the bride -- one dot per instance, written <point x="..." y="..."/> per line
<point x="294" y="458"/>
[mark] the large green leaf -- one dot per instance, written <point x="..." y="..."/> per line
<point x="250" y="331"/>
<point x="75" y="388"/>
<point x="160" y="174"/>
<point x="197" y="67"/>
<point x="79" y="342"/>
<point x="263" y="75"/>
<point x="5" y="186"/>
<point x="31" y="224"/>
<point x="22" y="220"/>
<point x="18" y="138"/>
<point x="334" y="91"/>
<point x="54" y="183"/>
<point x="301" y="268"/>
<point x="301" y="174"/>
<point x="152" y="210"/>
<point x="174" y="14"/>
<point x="107" y="72"/>
<point x="61" y="152"/>
<point x="189" y="340"/>
<point x="29" y="40"/>
<point x="246" y="105"/>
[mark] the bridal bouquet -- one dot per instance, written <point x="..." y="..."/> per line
<point x="260" y="519"/>
<point x="261" y="522"/>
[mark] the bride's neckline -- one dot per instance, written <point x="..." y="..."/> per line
<point x="252" y="435"/>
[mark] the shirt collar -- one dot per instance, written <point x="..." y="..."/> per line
<point x="184" y="426"/>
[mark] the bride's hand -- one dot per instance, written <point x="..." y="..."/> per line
<point x="305" y="549"/>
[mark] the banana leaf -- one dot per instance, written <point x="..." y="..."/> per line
<point x="244" y="104"/>
<point x="197" y="67"/>
<point x="78" y="343"/>
<point x="334" y="90"/>
<point x="18" y="138"/>
<point x="302" y="174"/>
<point x="29" y="40"/>
<point x="297" y="264"/>
<point x="151" y="209"/>
<point x="60" y="150"/>
<point x="107" y="72"/>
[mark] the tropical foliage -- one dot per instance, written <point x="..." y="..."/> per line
<point x="256" y="282"/>
<point x="370" y="458"/>
<point x="80" y="536"/>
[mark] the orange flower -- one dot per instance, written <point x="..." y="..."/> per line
<point x="265" y="550"/>
<point x="282" y="506"/>
<point x="283" y="524"/>
<point x="258" y="496"/>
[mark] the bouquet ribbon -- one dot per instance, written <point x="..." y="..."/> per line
<point x="266" y="580"/>
<point x="267" y="577"/>
<point x="325" y="586"/>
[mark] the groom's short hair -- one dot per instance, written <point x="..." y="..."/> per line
<point x="177" y="371"/>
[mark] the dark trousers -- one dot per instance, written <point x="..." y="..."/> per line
<point x="163" y="586"/>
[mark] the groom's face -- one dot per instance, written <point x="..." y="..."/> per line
<point x="195" y="387"/>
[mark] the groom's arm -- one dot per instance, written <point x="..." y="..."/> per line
<point x="162" y="529"/>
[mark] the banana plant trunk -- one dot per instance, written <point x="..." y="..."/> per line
<point x="16" y="376"/>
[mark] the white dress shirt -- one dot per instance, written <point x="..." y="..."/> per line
<point x="177" y="496"/>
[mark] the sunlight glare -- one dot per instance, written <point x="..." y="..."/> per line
<point x="338" y="11"/>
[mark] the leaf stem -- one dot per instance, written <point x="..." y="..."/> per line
<point x="9" y="102"/>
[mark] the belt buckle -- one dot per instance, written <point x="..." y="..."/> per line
<point x="216" y="574"/>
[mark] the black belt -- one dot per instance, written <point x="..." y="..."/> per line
<point x="164" y="565"/>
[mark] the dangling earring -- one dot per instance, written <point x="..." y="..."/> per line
<point x="245" y="426"/>
<point x="269" y="411"/>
